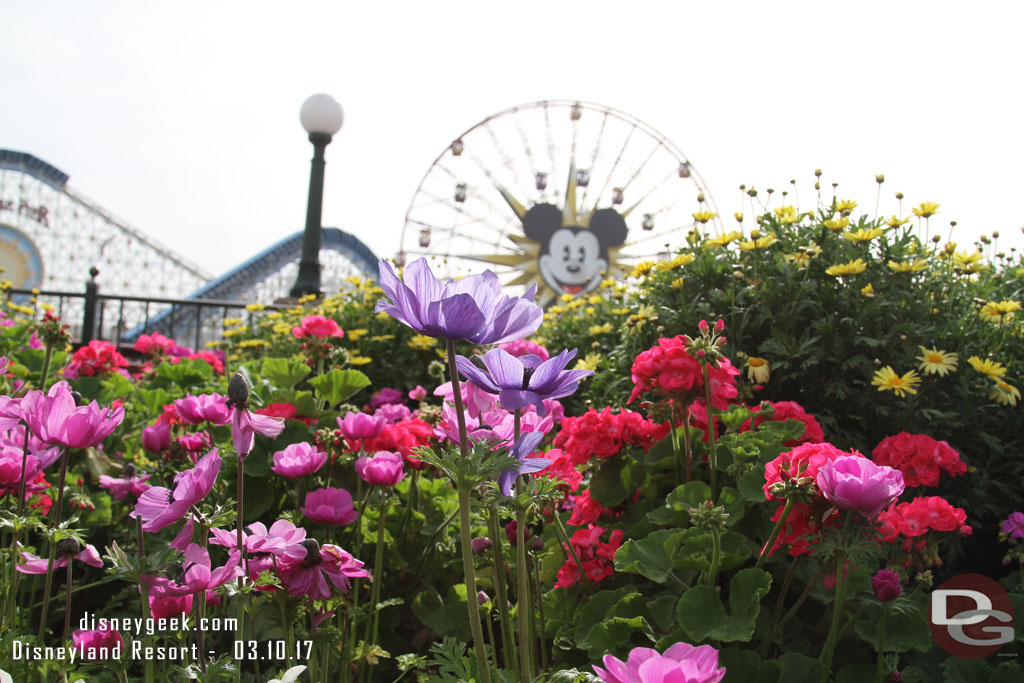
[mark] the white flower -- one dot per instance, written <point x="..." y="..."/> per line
<point x="290" y="676"/>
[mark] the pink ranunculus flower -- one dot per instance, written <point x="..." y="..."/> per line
<point x="681" y="663"/>
<point x="156" y="438"/>
<point x="210" y="408"/>
<point x="886" y="585"/>
<point x="853" y="483"/>
<point x="317" y="326"/>
<point x="330" y="506"/>
<point x="159" y="507"/>
<point x="418" y="393"/>
<point x="96" y="645"/>
<point x="298" y="460"/>
<point x="355" y="426"/>
<point x="383" y="469"/>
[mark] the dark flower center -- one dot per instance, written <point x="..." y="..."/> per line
<point x="527" y="374"/>
<point x="312" y="558"/>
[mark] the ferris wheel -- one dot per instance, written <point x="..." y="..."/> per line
<point x="560" y="193"/>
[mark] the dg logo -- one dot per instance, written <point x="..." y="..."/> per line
<point x="971" y="616"/>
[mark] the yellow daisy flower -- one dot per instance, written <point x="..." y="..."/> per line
<point x="589" y="361"/>
<point x="738" y="216"/>
<point x="758" y="369"/>
<point x="355" y="359"/>
<point x="999" y="311"/>
<point x="421" y="342"/>
<point x="896" y="221"/>
<point x="704" y="216"/>
<point x="854" y="267"/>
<point x="759" y="243"/>
<point x="606" y="328"/>
<point x="1004" y="393"/>
<point x="886" y="379"/>
<point x="254" y="307"/>
<point x="837" y="224"/>
<point x="356" y="334"/>
<point x="937" y="362"/>
<point x="970" y="263"/>
<point x="845" y="206"/>
<point x="722" y="240"/>
<point x="798" y="259"/>
<point x="787" y="215"/>
<point x="677" y="283"/>
<point x="681" y="260"/>
<point x="989" y="368"/>
<point x="863" y="235"/>
<point x="868" y="290"/>
<point x="642" y="268"/>
<point x="908" y="266"/>
<point x="926" y="209"/>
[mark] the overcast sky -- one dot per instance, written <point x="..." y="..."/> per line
<point x="183" y="118"/>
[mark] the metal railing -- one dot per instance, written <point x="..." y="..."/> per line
<point x="121" y="318"/>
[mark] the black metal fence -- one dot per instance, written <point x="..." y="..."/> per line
<point x="121" y="318"/>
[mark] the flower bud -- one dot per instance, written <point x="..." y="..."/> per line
<point x="480" y="544"/>
<point x="536" y="544"/>
<point x="238" y="389"/>
<point x="68" y="547"/>
<point x="482" y="598"/>
<point x="703" y="326"/>
<point x="886" y="585"/>
<point x="879" y="178"/>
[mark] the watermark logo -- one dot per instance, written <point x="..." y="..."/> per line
<point x="971" y="616"/>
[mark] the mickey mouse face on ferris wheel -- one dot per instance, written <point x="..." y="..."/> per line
<point x="573" y="258"/>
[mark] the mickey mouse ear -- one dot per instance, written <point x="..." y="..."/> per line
<point x="609" y="227"/>
<point x="541" y="222"/>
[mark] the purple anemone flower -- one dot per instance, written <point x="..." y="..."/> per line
<point x="472" y="308"/>
<point x="518" y="382"/>
<point x="523" y="465"/>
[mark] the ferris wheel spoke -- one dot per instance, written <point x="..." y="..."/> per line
<point x="593" y="161"/>
<point x="507" y="159"/>
<point x="499" y="209"/>
<point x="654" y="189"/>
<point x="455" y="230"/>
<point x="615" y="164"/>
<point x="551" y="143"/>
<point x="660" y="234"/>
<point x="640" y="168"/>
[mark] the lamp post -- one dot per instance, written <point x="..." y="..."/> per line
<point x="321" y="116"/>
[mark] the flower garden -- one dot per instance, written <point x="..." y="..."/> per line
<point x="752" y="461"/>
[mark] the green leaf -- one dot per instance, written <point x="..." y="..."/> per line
<point x="154" y="400"/>
<point x="114" y="386"/>
<point x="750" y="485"/>
<point x="797" y="668"/>
<point x="338" y="385"/>
<point x="703" y="616"/>
<point x="259" y="496"/>
<point x="615" y="634"/>
<point x="903" y="631"/>
<point x="653" y="557"/>
<point x="856" y="672"/>
<point x="186" y="374"/>
<point x="447" y="617"/>
<point x="615" y="480"/>
<point x="698" y="549"/>
<point x="284" y="372"/>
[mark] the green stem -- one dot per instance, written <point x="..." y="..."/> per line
<point x="470" y="575"/>
<point x="829" y="649"/>
<point x="564" y="538"/>
<point x="525" y="659"/>
<point x="767" y="549"/>
<point x="412" y="501"/>
<point x="54" y="525"/>
<point x="45" y="372"/>
<point x="144" y="592"/>
<point x="712" y="455"/>
<point x="881" y="647"/>
<point x="378" y="577"/>
<point x="673" y="432"/>
<point x="716" y="557"/>
<point x="239" y="491"/>
<point x="779" y="602"/>
<point x="464" y="524"/>
<point x="501" y="592"/>
<point x="67" y="602"/>
<point x="286" y="629"/>
<point x="688" y="444"/>
<point x="803" y="597"/>
<point x="490" y="639"/>
<point x="535" y="570"/>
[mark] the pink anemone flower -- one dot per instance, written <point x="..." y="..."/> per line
<point x="681" y="663"/>
<point x="58" y="420"/>
<point x="330" y="506"/>
<point x="298" y="460"/>
<point x="198" y="574"/>
<point x="310" y="575"/>
<point x="38" y="565"/>
<point x="212" y="408"/>
<point x="131" y="483"/>
<point x="159" y="507"/>
<point x="383" y="469"/>
<point x="96" y="645"/>
<point x="356" y="425"/>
